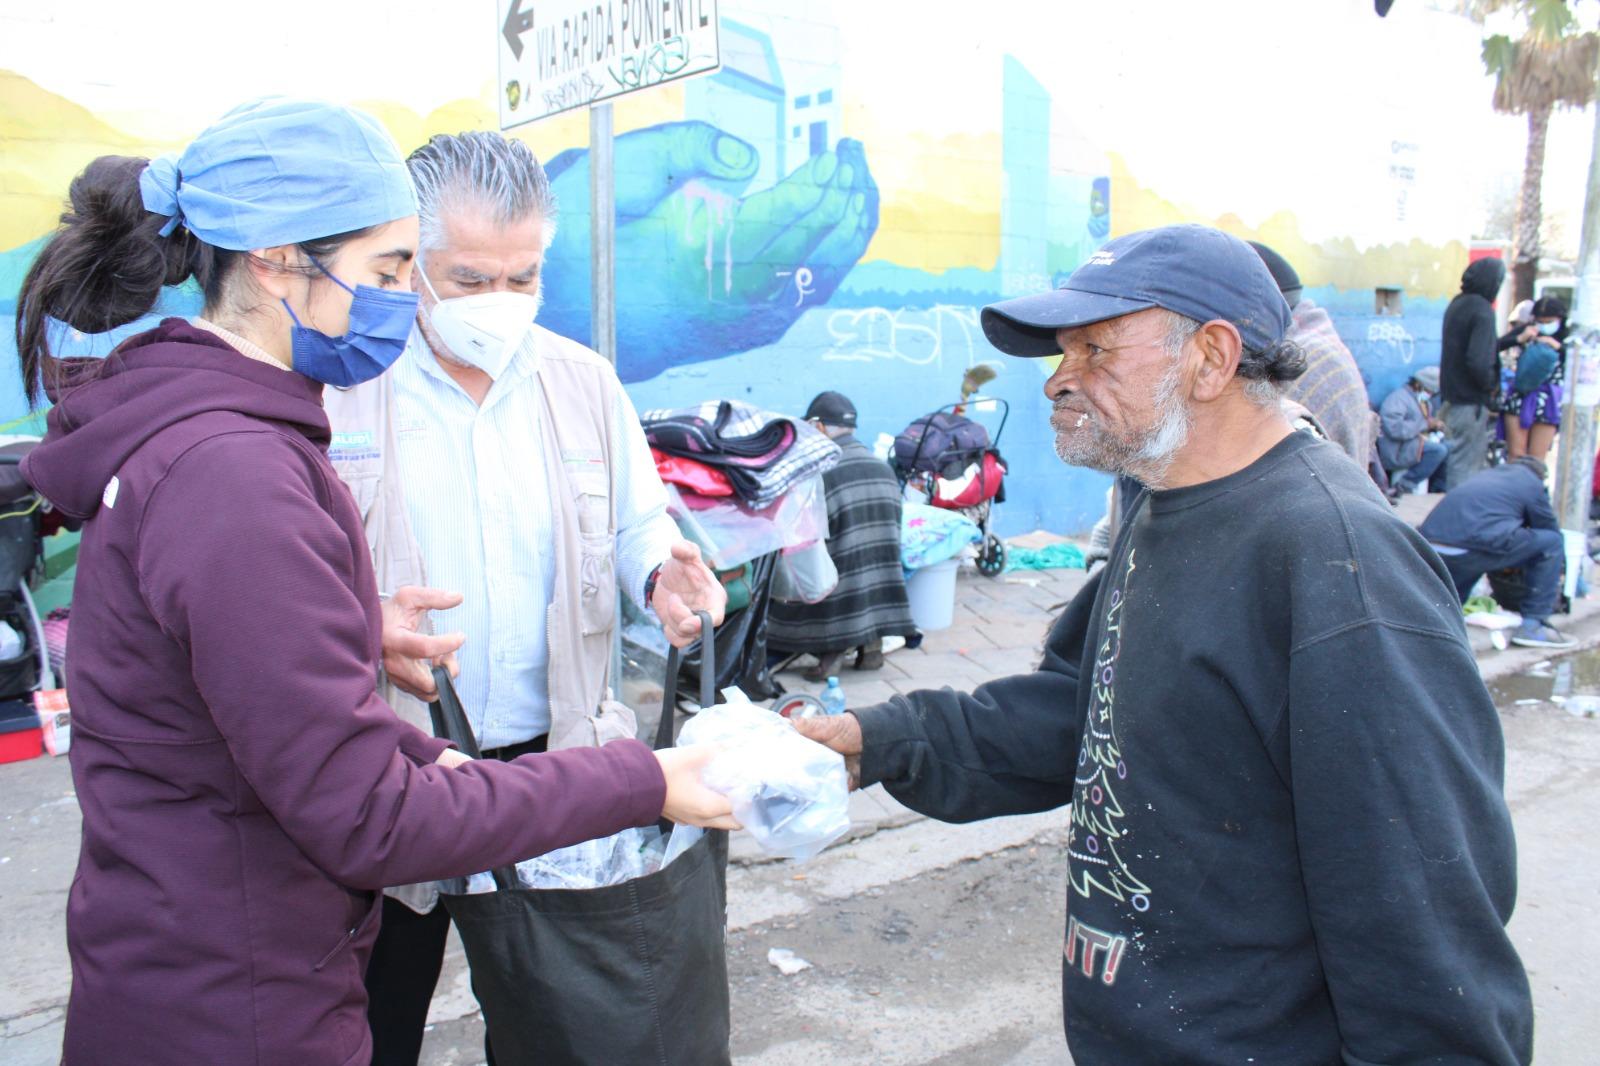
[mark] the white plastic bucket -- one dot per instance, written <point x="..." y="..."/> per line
<point x="932" y="592"/>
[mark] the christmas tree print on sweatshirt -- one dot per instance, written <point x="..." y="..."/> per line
<point x="1095" y="837"/>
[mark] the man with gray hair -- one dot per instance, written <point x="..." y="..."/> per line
<point x="506" y="486"/>
<point x="1288" y="841"/>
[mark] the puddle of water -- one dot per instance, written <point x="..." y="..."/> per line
<point x="1571" y="683"/>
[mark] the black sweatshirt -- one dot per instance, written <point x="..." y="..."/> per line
<point x="1289" y="843"/>
<point x="1469" y="362"/>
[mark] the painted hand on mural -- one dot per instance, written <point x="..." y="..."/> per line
<point x="702" y="270"/>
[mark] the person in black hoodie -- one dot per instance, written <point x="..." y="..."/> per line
<point x="1287" y="841"/>
<point x="1469" y="368"/>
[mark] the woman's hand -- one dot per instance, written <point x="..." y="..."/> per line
<point x="450" y="758"/>
<point x="688" y="801"/>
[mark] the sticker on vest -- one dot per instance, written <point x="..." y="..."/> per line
<point x="353" y="447"/>
<point x="578" y="459"/>
<point x="108" y="499"/>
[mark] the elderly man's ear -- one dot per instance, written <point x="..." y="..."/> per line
<point x="1219" y="347"/>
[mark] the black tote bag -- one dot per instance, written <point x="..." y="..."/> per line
<point x="633" y="974"/>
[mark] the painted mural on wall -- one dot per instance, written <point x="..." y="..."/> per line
<point x="808" y="217"/>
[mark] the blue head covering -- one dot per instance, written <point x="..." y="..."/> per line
<point x="280" y="171"/>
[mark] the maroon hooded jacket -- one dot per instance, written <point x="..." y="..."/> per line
<point x="244" y="789"/>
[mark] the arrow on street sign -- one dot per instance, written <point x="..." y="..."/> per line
<point x="518" y="22"/>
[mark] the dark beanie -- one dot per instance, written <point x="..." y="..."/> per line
<point x="1278" y="267"/>
<point x="832" y="409"/>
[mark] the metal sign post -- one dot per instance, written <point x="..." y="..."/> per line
<point x="602" y="235"/>
<point x="1577" y="442"/>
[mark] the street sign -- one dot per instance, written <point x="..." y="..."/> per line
<point x="559" y="55"/>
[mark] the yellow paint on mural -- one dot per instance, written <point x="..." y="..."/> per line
<point x="1418" y="268"/>
<point x="45" y="141"/>
<point x="940" y="196"/>
<point x="940" y="206"/>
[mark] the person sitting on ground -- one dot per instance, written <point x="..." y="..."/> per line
<point x="869" y="603"/>
<point x="1407" y="416"/>
<point x="1500" y="518"/>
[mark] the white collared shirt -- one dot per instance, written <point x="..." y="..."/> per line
<point x="481" y="510"/>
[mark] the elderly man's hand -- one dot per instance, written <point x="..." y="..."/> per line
<point x="686" y="585"/>
<point x="842" y="733"/>
<point x="409" y="655"/>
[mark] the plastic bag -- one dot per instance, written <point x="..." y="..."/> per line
<point x="630" y="854"/>
<point x="730" y="532"/>
<point x="805" y="575"/>
<point x="789" y="792"/>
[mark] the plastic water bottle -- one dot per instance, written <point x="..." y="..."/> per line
<point x="832" y="697"/>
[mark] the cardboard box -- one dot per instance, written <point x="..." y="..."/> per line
<point x="55" y="720"/>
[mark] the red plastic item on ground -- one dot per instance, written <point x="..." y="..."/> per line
<point x="695" y="476"/>
<point x="20" y="734"/>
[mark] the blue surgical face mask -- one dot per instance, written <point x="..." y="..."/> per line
<point x="1549" y="329"/>
<point x="380" y="325"/>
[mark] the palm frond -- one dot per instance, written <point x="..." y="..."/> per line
<point x="1532" y="75"/>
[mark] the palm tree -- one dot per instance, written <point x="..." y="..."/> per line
<point x="1552" y="64"/>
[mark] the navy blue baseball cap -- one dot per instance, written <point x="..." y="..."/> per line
<point x="1195" y="271"/>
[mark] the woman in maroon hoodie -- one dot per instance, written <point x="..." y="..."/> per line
<point x="245" y="792"/>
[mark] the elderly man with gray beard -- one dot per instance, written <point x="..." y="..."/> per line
<point x="1288" y="841"/>
<point x="505" y="485"/>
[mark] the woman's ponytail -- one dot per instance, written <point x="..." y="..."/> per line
<point x="103" y="268"/>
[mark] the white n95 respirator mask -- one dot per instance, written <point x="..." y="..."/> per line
<point x="485" y="329"/>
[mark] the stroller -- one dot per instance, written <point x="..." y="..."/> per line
<point x="958" y="465"/>
<point x="24" y="659"/>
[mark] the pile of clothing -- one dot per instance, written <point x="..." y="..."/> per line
<point x="724" y="447"/>
<point x="746" y="486"/>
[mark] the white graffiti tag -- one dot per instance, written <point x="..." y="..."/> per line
<point x="919" y="336"/>
<point x="1396" y="335"/>
<point x="802" y="283"/>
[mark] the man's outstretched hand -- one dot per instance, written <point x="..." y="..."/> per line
<point x="842" y="733"/>
<point x="686" y="585"/>
<point x="410" y="655"/>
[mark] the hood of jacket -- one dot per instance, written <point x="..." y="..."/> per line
<point x="1484" y="278"/>
<point x="151" y="382"/>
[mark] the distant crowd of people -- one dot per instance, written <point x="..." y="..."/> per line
<point x="1494" y="400"/>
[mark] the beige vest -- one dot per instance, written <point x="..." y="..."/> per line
<point x="578" y="400"/>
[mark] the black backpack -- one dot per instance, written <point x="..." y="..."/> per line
<point x="939" y="441"/>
